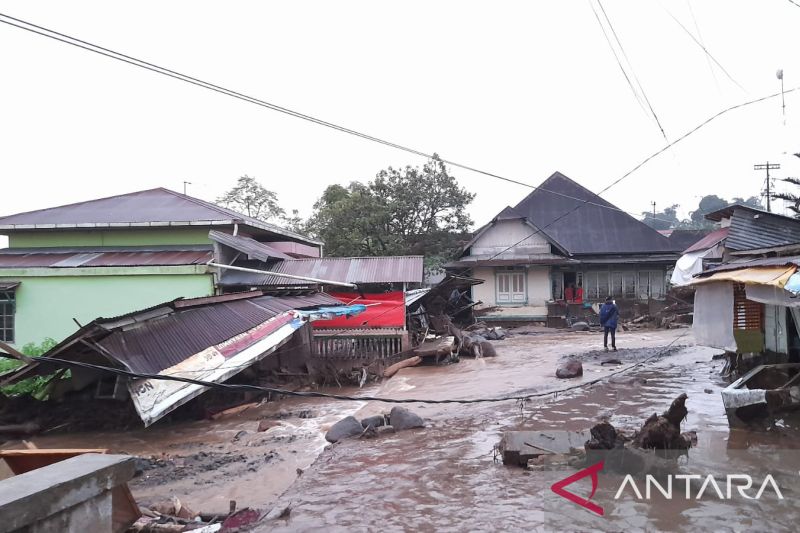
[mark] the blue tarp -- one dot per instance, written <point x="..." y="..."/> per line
<point x="793" y="285"/>
<point x="327" y="313"/>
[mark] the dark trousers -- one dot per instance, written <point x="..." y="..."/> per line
<point x="613" y="331"/>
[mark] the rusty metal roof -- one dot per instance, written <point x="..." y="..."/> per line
<point x="158" y="207"/>
<point x="753" y="229"/>
<point x="251" y="247"/>
<point x="712" y="239"/>
<point x="395" y="269"/>
<point x="83" y="257"/>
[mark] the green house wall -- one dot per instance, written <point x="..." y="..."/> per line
<point x="122" y="237"/>
<point x="46" y="305"/>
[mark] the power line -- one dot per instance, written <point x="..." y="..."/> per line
<point x="112" y="54"/>
<point x="708" y="54"/>
<point x="616" y="57"/>
<point x="517" y="395"/>
<point x="644" y="162"/>
<point x="700" y="36"/>
<point x="794" y="3"/>
<point x="633" y="72"/>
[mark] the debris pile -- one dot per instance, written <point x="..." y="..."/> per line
<point x="173" y="516"/>
<point x="664" y="432"/>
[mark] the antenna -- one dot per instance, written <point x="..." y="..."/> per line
<point x="185" y="183"/>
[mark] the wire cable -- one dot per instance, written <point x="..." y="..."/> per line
<point x="85" y="45"/>
<point x="633" y="72"/>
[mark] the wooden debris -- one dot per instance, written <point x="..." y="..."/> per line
<point x="411" y="361"/>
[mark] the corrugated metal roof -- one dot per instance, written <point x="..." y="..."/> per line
<point x="592" y="228"/>
<point x="712" y="239"/>
<point x="153" y="207"/>
<point x="12" y="258"/>
<point x="246" y="245"/>
<point x="163" y="341"/>
<point x="509" y="258"/>
<point x="395" y="269"/>
<point x="681" y="239"/>
<point x="737" y="264"/>
<point x="752" y="229"/>
<point x="9" y="285"/>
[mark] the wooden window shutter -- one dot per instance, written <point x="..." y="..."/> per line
<point x="747" y="314"/>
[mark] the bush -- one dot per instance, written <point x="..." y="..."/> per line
<point x="36" y="386"/>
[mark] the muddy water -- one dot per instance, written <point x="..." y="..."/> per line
<point x="444" y="478"/>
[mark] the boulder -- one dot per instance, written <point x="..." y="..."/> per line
<point x="571" y="368"/>
<point x="344" y="428"/>
<point x="374" y="421"/>
<point x="580" y="326"/>
<point x="402" y="418"/>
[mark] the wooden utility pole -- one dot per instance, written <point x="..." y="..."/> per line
<point x="654" y="209"/>
<point x="767" y="166"/>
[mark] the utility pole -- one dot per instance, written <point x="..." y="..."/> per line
<point x="654" y="209"/>
<point x="779" y="74"/>
<point x="767" y="166"/>
<point x="185" y="183"/>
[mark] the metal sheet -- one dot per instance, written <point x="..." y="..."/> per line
<point x="104" y="259"/>
<point x="396" y="269"/>
<point x="712" y="239"/>
<point x="154" y="398"/>
<point x="753" y="229"/>
<point x="246" y="245"/>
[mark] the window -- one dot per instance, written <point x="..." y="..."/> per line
<point x="511" y="287"/>
<point x="629" y="284"/>
<point x="616" y="284"/>
<point x="747" y="314"/>
<point x="7" y="309"/>
<point x="651" y="285"/>
<point x="602" y="285"/>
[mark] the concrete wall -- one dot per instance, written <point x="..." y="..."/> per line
<point x="509" y="233"/>
<point x="126" y="237"/>
<point x="46" y="305"/>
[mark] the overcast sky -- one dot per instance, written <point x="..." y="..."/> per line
<point x="520" y="89"/>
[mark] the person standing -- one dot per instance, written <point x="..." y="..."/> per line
<point x="609" y="315"/>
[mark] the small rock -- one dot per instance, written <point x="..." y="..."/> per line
<point x="239" y="435"/>
<point x="384" y="429"/>
<point x="611" y="362"/>
<point x="305" y="413"/>
<point x="572" y="368"/>
<point x="299" y="472"/>
<point x="708" y="391"/>
<point x="374" y="421"/>
<point x="580" y="326"/>
<point x="401" y="418"/>
<point x="344" y="428"/>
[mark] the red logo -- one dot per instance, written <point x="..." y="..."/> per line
<point x="593" y="471"/>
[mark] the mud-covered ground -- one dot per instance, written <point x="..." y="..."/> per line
<point x="445" y="477"/>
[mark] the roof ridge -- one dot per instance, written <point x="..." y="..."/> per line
<point x="83" y="202"/>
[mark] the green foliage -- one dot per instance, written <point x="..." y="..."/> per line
<point x="36" y="386"/>
<point x="666" y="219"/>
<point x="408" y="211"/>
<point x="248" y="196"/>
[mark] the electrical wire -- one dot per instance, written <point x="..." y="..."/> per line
<point x="644" y="162"/>
<point x="633" y="72"/>
<point x="708" y="54"/>
<point x="517" y="395"/>
<point x="700" y="36"/>
<point x="85" y="45"/>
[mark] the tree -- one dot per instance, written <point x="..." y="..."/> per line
<point x="409" y="210"/>
<point x="708" y="204"/>
<point x="248" y="196"/>
<point x="791" y="198"/>
<point x="666" y="219"/>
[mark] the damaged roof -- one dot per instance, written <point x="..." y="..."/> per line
<point x="250" y="247"/>
<point x="593" y="225"/>
<point x="158" y="207"/>
<point x="712" y="239"/>
<point x="388" y="269"/>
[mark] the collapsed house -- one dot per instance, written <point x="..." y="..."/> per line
<point x="749" y="306"/>
<point x="209" y="339"/>
<point x="561" y="249"/>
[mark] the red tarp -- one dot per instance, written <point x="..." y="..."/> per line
<point x="389" y="313"/>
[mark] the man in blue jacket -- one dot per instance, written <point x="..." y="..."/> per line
<point x="609" y="314"/>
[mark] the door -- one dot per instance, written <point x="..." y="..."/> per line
<point x="511" y="288"/>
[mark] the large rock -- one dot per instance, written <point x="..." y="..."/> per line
<point x="571" y="368"/>
<point x="402" y="418"/>
<point x="344" y="428"/>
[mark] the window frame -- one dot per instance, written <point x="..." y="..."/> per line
<point x="8" y="311"/>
